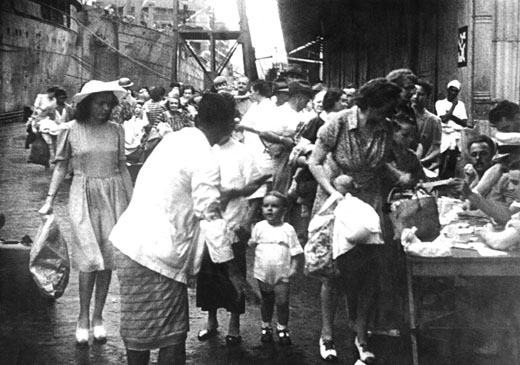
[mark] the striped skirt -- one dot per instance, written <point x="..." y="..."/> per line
<point x="154" y="308"/>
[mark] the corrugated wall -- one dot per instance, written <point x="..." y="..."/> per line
<point x="369" y="38"/>
<point x="507" y="50"/>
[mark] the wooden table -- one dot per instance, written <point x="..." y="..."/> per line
<point x="463" y="263"/>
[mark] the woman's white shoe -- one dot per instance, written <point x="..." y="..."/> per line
<point x="327" y="350"/>
<point x="100" y="333"/>
<point x="364" y="355"/>
<point x="82" y="335"/>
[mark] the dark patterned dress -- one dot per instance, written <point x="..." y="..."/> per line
<point x="363" y="157"/>
<point x="357" y="155"/>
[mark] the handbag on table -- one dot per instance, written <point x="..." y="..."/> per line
<point x="415" y="209"/>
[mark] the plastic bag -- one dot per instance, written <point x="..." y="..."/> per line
<point x="318" y="249"/>
<point x="356" y="222"/>
<point x="49" y="260"/>
<point x="39" y="153"/>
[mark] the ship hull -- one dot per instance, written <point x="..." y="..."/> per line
<point x="35" y="54"/>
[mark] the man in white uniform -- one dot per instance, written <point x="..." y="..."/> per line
<point x="453" y="117"/>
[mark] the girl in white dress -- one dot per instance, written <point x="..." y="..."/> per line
<point x="277" y="256"/>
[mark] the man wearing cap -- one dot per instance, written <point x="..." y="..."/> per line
<point x="280" y="92"/>
<point x="453" y="117"/>
<point x="287" y="123"/>
<point x="294" y="72"/>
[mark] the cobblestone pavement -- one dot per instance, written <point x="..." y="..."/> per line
<point x="37" y="331"/>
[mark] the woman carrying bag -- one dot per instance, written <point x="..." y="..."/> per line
<point x="100" y="191"/>
<point x="359" y="142"/>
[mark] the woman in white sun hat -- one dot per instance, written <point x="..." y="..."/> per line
<point x="100" y="192"/>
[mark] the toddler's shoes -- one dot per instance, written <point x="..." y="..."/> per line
<point x="283" y="337"/>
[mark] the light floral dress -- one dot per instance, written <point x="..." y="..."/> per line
<point x="100" y="192"/>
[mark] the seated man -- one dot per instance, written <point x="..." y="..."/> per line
<point x="481" y="151"/>
<point x="492" y="301"/>
<point x="504" y="117"/>
<point x="509" y="237"/>
<point x="494" y="209"/>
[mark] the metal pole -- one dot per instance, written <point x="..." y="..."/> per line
<point x="212" y="42"/>
<point x="175" y="46"/>
<point x="247" y="45"/>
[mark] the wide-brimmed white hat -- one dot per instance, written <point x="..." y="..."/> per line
<point x="96" y="86"/>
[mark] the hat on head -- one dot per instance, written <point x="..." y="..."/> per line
<point x="507" y="143"/>
<point x="295" y="70"/>
<point x="454" y="83"/>
<point x="300" y="87"/>
<point x="280" y="86"/>
<point x="219" y="80"/>
<point x="96" y="86"/>
<point x="318" y="87"/>
<point x="125" y="82"/>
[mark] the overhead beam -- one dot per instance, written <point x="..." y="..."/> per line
<point x="206" y="35"/>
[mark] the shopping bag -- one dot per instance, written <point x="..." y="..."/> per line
<point x="39" y="153"/>
<point x="356" y="222"/>
<point x="318" y="249"/>
<point x="417" y="210"/>
<point x="31" y="136"/>
<point x="49" y="259"/>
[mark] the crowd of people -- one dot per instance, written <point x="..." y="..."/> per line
<point x="249" y="166"/>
